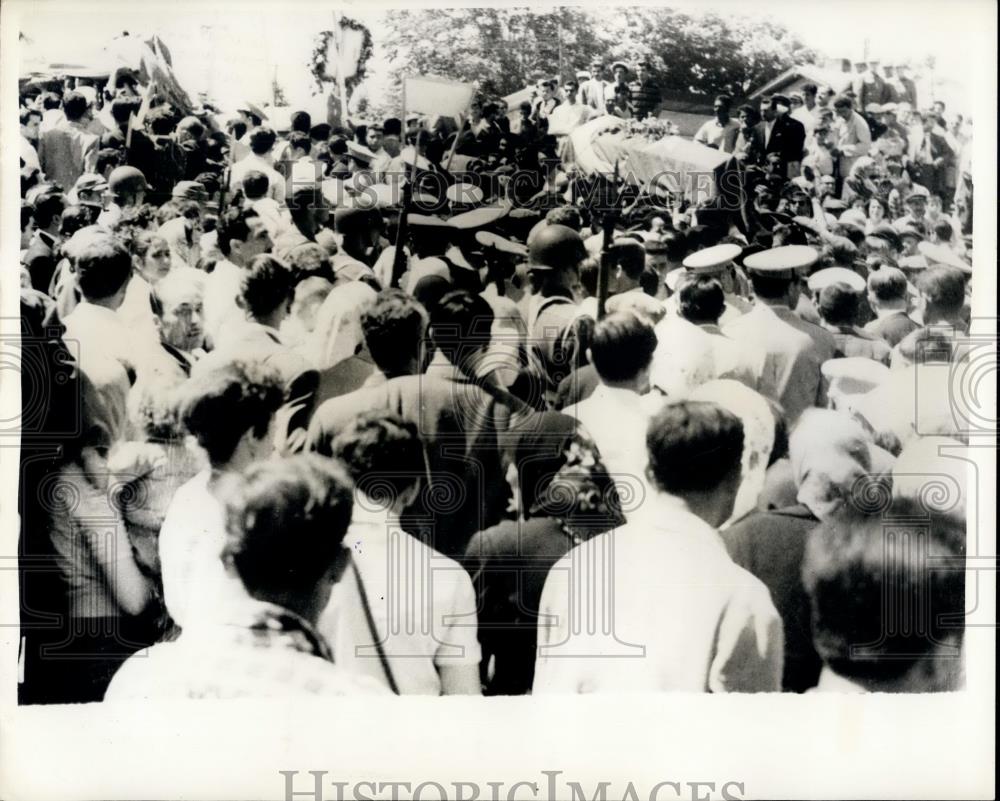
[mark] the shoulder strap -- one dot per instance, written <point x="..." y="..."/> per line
<point x="376" y="639"/>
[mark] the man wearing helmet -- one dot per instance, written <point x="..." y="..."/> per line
<point x="555" y="254"/>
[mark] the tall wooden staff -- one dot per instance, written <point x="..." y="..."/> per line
<point x="604" y="270"/>
<point x="399" y="257"/>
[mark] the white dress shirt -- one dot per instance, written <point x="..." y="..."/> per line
<point x="657" y="606"/>
<point x="422" y="603"/>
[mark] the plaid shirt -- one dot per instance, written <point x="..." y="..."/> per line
<point x="257" y="650"/>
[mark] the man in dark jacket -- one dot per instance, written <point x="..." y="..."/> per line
<point x="782" y="135"/>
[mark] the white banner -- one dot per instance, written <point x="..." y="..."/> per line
<point x="437" y="96"/>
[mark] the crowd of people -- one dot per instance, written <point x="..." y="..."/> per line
<point x="410" y="407"/>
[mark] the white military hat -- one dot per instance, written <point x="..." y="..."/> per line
<point x="464" y="194"/>
<point x="821" y="279"/>
<point x="940" y="254"/>
<point x="781" y="262"/>
<point x="713" y="259"/>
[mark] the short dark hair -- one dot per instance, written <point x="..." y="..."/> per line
<point x="48" y="207"/>
<point x="299" y="140"/>
<point x="103" y="267"/>
<point x="842" y="251"/>
<point x="262" y="139"/>
<point x="843" y="102"/>
<point x="109" y="158"/>
<point x="461" y="323"/>
<point x="255" y="184"/>
<point x="701" y="299"/>
<point x="838" y="304"/>
<point x="621" y="346"/>
<point x="233" y="225"/>
<point x="267" y="284"/>
<point x="74" y="218"/>
<point x="943" y="230"/>
<point x="301" y="122"/>
<point x="382" y="453"/>
<point x="565" y="215"/>
<point x="887" y="284"/>
<point x="849" y="567"/>
<point x="27" y="113"/>
<point x="693" y="446"/>
<point x="74" y="106"/>
<point x="285" y="523"/>
<point x="219" y="405"/>
<point x="809" y="89"/>
<point x="944" y="287"/>
<point x="767" y="286"/>
<point x="724" y="100"/>
<point x="51" y="100"/>
<point x="161" y="120"/>
<point x="394" y="326"/>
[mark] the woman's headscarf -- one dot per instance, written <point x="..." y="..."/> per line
<point x="338" y="335"/>
<point x="758" y="436"/>
<point x="559" y="474"/>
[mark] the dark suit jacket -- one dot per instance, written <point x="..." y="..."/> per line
<point x="788" y="138"/>
<point x="467" y="430"/>
<point x="892" y="328"/>
<point x="771" y="546"/>
<point x="40" y="259"/>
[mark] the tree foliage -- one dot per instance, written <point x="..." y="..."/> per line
<point x="505" y="49"/>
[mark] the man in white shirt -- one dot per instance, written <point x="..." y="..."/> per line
<point x="721" y="131"/>
<point x="852" y="134"/>
<point x="684" y="616"/>
<point x="404" y="613"/>
<point x="617" y="414"/>
<point x="261" y="141"/>
<point x="592" y="90"/>
<point x="242" y="235"/>
<point x="228" y="406"/>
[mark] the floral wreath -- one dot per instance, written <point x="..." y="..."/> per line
<point x="317" y="62"/>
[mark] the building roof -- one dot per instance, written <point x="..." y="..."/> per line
<point x="838" y="81"/>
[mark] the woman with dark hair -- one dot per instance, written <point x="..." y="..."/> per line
<point x="561" y="496"/>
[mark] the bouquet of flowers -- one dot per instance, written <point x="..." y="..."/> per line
<point x="651" y="128"/>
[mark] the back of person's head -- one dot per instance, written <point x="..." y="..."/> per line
<point x="255" y="185"/>
<point x="382" y="453"/>
<point x="301" y="122"/>
<point x="943" y="230"/>
<point x="460" y="324"/>
<point x="693" y="447"/>
<point x="50" y="100"/>
<point x="394" y="329"/>
<point x="338" y="146"/>
<point x="885" y="610"/>
<point x="565" y="215"/>
<point x="222" y="401"/>
<point x="73" y="219"/>
<point x="944" y="288"/>
<point x="75" y="105"/>
<point x="285" y="524"/>
<point x="161" y="120"/>
<point x="769" y="287"/>
<point x="233" y="224"/>
<point x="47" y="208"/>
<point x="842" y="101"/>
<point x="103" y="267"/>
<point x="621" y="347"/>
<point x="838" y="304"/>
<point x="841" y="252"/>
<point x="267" y="285"/>
<point x="887" y="284"/>
<point x="262" y="139"/>
<point x="702" y="300"/>
<point x="300" y="141"/>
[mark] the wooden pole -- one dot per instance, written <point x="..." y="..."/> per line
<point x="604" y="270"/>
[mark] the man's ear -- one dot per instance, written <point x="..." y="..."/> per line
<point x="340" y="564"/>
